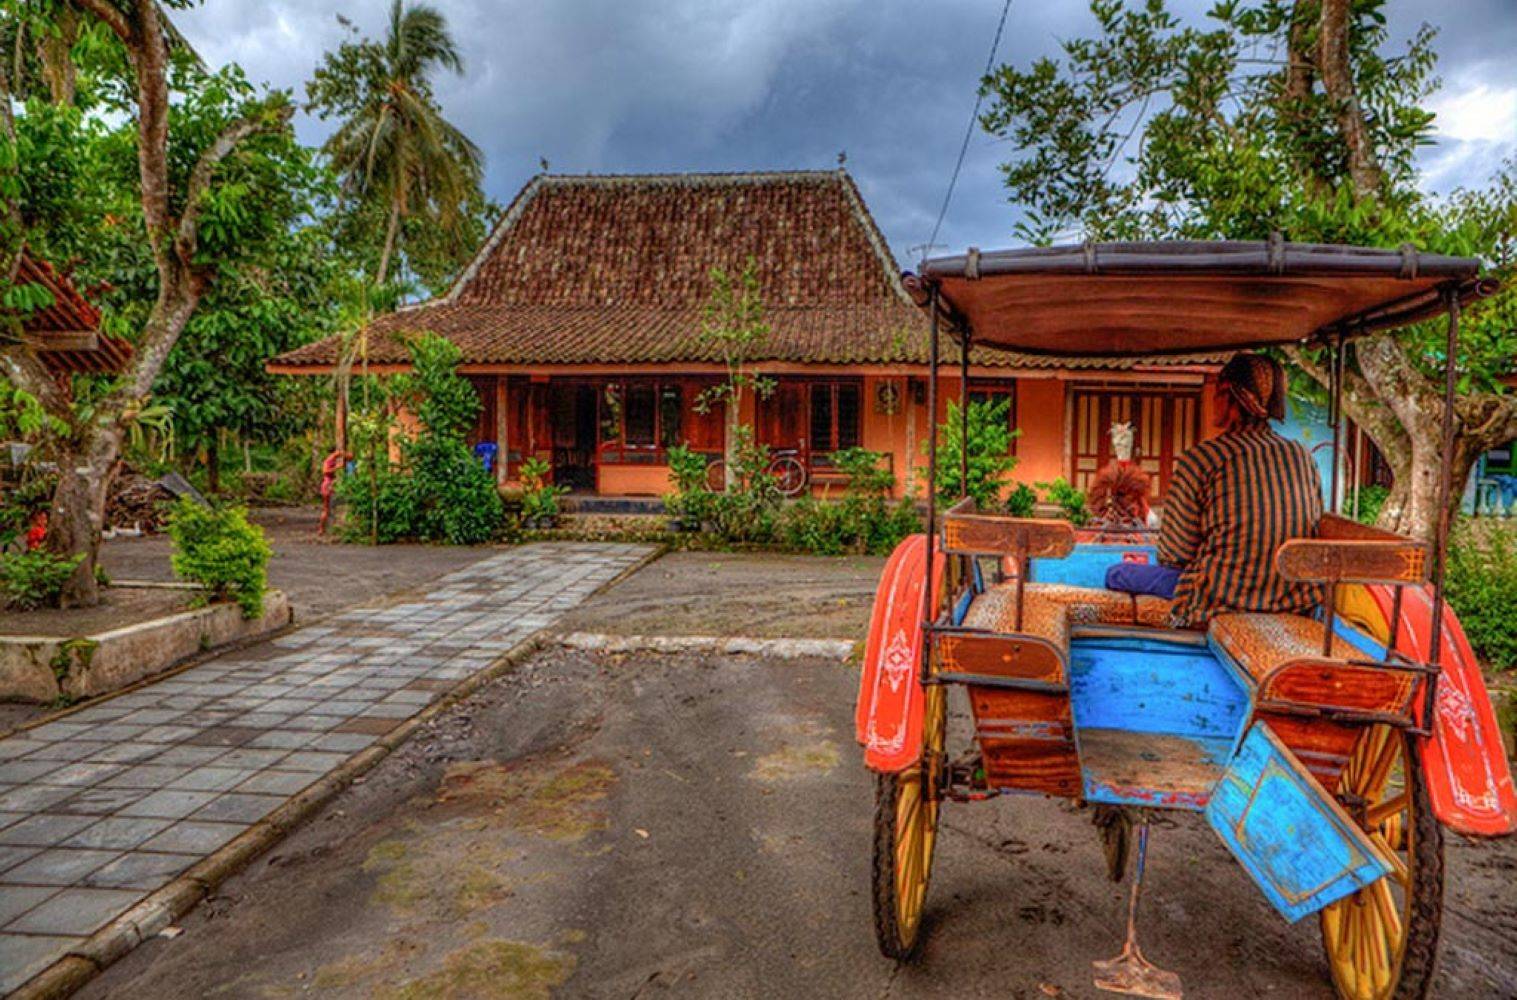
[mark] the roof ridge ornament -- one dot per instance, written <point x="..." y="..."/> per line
<point x="1088" y="248"/>
<point x="972" y="264"/>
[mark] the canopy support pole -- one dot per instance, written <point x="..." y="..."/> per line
<point x="1335" y="414"/>
<point x="964" y="415"/>
<point x="932" y="480"/>
<point x="1445" y="500"/>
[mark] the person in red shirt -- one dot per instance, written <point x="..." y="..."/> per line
<point x="329" y="469"/>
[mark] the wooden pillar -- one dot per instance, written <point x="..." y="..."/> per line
<point x="502" y="430"/>
<point x="340" y="418"/>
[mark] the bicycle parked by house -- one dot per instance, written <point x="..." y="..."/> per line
<point x="785" y="465"/>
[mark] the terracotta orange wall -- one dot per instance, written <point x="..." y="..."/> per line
<point x="1040" y="418"/>
<point x="889" y="432"/>
<point x="633" y="480"/>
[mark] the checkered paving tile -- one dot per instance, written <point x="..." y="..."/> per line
<point x="104" y="806"/>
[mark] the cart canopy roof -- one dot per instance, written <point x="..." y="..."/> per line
<point x="1186" y="297"/>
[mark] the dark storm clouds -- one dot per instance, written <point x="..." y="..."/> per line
<point x="678" y="85"/>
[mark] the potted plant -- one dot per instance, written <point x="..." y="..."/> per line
<point x="539" y="498"/>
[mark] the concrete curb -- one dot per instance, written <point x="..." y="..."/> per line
<point x="168" y="903"/>
<point x="784" y="649"/>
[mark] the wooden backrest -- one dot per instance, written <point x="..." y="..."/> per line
<point x="1346" y="551"/>
<point x="966" y="532"/>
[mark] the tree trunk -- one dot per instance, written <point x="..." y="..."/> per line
<point x="390" y="230"/>
<point x="732" y="411"/>
<point x="77" y="515"/>
<point x="55" y="50"/>
<point x="213" y="462"/>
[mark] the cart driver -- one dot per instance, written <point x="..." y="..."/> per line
<point x="1235" y="498"/>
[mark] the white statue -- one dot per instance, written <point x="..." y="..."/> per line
<point x="1121" y="441"/>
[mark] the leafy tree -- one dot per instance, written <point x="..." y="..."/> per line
<point x="1293" y="116"/>
<point x="202" y="158"/>
<point x="735" y="325"/>
<point x="393" y="148"/>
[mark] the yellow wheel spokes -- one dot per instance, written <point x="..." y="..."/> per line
<point x="917" y="819"/>
<point x="1365" y="934"/>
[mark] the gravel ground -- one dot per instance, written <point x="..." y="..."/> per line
<point x="749" y="594"/>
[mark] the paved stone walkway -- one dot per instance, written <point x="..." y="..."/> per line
<point x="104" y="806"/>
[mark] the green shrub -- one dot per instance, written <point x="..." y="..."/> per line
<point x="539" y="499"/>
<point x="747" y="512"/>
<point x="691" y="502"/>
<point x="1371" y="500"/>
<point x="1022" y="501"/>
<point x="440" y="491"/>
<point x="990" y="457"/>
<point x="1482" y="589"/>
<point x="36" y="578"/>
<point x="219" y="548"/>
<point x="1068" y="499"/>
<point x="19" y="505"/>
<point x="863" y="521"/>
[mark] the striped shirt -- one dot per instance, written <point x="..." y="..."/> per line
<point x="1233" y="500"/>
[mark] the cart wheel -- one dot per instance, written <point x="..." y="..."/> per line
<point x="1382" y="941"/>
<point x="905" y="829"/>
<point x="1115" y="824"/>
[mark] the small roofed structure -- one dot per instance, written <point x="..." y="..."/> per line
<point x="66" y="334"/>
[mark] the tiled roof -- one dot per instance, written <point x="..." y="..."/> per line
<point x="617" y="270"/>
<point x="72" y="313"/>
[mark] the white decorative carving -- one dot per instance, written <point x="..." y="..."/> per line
<point x="1121" y="441"/>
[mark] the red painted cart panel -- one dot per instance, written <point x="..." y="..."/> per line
<point x="888" y="717"/>
<point x="1468" y="777"/>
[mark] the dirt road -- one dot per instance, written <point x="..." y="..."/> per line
<point x="596" y="826"/>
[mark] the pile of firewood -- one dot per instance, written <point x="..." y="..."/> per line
<point x="137" y="503"/>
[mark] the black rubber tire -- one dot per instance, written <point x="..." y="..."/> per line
<point x="1419" y="957"/>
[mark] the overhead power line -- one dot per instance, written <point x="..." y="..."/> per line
<point x="974" y="116"/>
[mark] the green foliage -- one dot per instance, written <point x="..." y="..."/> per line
<point x="439" y="491"/>
<point x="691" y="502"/>
<point x="1371" y="499"/>
<point x="35" y="579"/>
<point x="411" y="177"/>
<point x="18" y="506"/>
<point x="863" y="521"/>
<point x="1154" y="127"/>
<point x="539" y="498"/>
<point x="1021" y="501"/>
<point x="747" y="511"/>
<point x="989" y="447"/>
<point x="218" y="547"/>
<point x="1068" y="499"/>
<point x="445" y="404"/>
<point x="1482" y="588"/>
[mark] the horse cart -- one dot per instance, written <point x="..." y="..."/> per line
<point x="1327" y="752"/>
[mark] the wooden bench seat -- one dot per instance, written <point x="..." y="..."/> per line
<point x="1049" y="609"/>
<point x="1261" y="642"/>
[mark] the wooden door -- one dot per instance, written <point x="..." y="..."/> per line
<point x="1166" y="423"/>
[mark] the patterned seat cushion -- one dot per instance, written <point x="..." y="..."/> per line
<point x="1050" y="608"/>
<point x="1260" y="642"/>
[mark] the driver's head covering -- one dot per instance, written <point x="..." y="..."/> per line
<point x="1257" y="383"/>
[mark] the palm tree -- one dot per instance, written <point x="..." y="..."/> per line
<point x="394" y="144"/>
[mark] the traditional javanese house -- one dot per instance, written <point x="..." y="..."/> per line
<point x="580" y="322"/>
